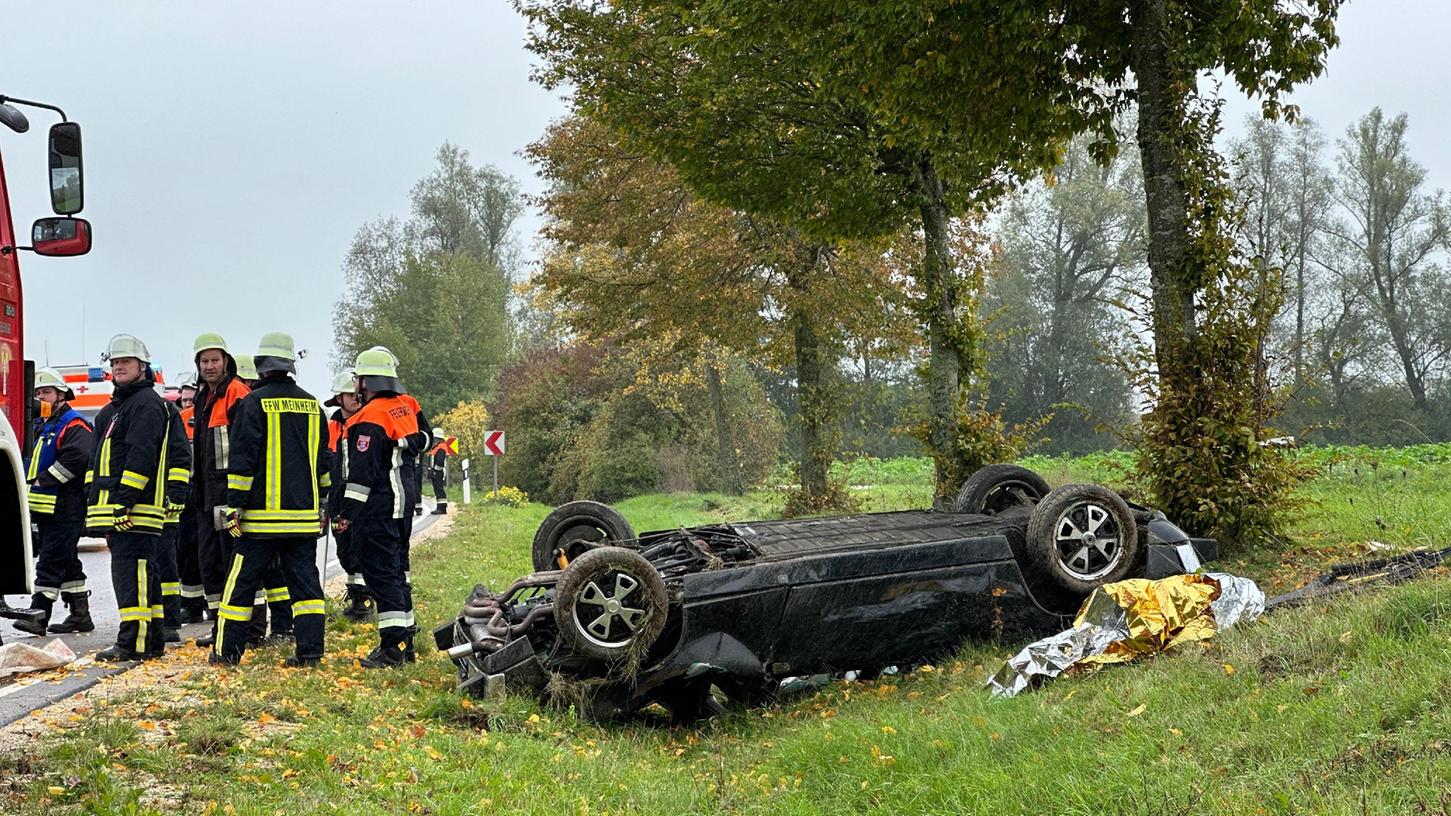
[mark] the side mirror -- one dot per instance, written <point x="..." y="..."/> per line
<point x="67" y="192"/>
<point x="61" y="236"/>
<point x="13" y="119"/>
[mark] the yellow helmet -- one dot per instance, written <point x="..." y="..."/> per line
<point x="245" y="367"/>
<point x="126" y="345"/>
<point x="209" y="340"/>
<point x="276" y="352"/>
<point x="376" y="362"/>
<point x="51" y="377"/>
<point x="343" y="383"/>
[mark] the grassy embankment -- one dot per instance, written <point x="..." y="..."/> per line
<point x="1337" y="709"/>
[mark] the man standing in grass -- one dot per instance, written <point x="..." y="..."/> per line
<point x="277" y="476"/>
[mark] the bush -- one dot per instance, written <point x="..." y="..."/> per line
<point x="507" y="496"/>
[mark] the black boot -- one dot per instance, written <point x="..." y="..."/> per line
<point x="409" y="654"/>
<point x="192" y="612"/>
<point x="360" y="605"/>
<point x="35" y="624"/>
<point x="79" y="618"/>
<point x="440" y="509"/>
<point x="386" y="656"/>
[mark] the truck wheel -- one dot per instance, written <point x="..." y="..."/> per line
<point x="610" y="603"/>
<point x="995" y="488"/>
<point x="1081" y="537"/>
<point x="575" y="521"/>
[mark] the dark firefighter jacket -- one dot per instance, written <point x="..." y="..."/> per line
<point x="413" y="446"/>
<point x="337" y="436"/>
<point x="374" y="453"/>
<point x="178" y="465"/>
<point x="279" y="461"/>
<point x="57" y="467"/>
<point x="128" y="466"/>
<point x="212" y="441"/>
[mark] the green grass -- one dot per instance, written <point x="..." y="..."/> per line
<point x="1338" y="709"/>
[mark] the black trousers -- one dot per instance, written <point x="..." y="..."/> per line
<point x="274" y="601"/>
<point x="379" y="544"/>
<point x="251" y="558"/>
<point x="436" y="477"/>
<point x="137" y="584"/>
<point x="166" y="568"/>
<point x="57" y="564"/>
<point x="214" y="554"/>
<point x="188" y="562"/>
<point x="348" y="560"/>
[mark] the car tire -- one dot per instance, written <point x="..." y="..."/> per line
<point x="1080" y="537"/>
<point x="995" y="488"/>
<point x="588" y="520"/>
<point x="609" y="604"/>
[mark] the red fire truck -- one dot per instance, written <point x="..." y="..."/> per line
<point x="63" y="234"/>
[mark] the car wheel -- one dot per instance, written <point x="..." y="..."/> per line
<point x="610" y="603"/>
<point x="575" y="521"/>
<point x="995" y="488"/>
<point x="1081" y="537"/>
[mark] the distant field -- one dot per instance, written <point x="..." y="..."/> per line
<point x="1338" y="709"/>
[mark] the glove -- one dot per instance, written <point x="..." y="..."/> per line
<point x="232" y="521"/>
<point x="123" y="519"/>
<point x="173" y="512"/>
<point x="340" y="525"/>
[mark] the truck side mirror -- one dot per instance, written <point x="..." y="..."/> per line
<point x="13" y="119"/>
<point x="67" y="192"/>
<point x="61" y="236"/>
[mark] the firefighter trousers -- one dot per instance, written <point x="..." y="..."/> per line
<point x="188" y="562"/>
<point x="379" y="547"/>
<point x="273" y="601"/>
<point x="214" y="554"/>
<point x="436" y="478"/>
<point x="57" y="564"/>
<point x="137" y="583"/>
<point x="250" y="559"/>
<point x="348" y="560"/>
<point x="166" y="568"/>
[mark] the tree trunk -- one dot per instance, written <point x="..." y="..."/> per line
<point x="729" y="475"/>
<point x="943" y="291"/>
<point x="1161" y="121"/>
<point x="812" y="399"/>
<point x="1300" y="313"/>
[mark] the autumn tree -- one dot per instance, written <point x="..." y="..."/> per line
<point x="636" y="256"/>
<point x="760" y="118"/>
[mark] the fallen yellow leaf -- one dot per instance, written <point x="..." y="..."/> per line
<point x="1137" y="711"/>
<point x="1228" y="669"/>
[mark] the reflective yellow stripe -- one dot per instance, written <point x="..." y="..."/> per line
<point x="242" y="483"/>
<point x="227" y="600"/>
<point x="308" y="608"/>
<point x="34" y="469"/>
<point x="131" y="478"/>
<point x="273" y="468"/>
<point x="158" y="612"/>
<point x="314" y="439"/>
<point x="90" y="476"/>
<point x="276" y="515"/>
<point x="324" y="483"/>
<point x="277" y="594"/>
<point x="177" y="474"/>
<point x="171" y="588"/>
<point x="135" y="613"/>
<point x="223" y="446"/>
<point x="143" y="603"/>
<point x="42" y="503"/>
<point x="234" y="613"/>
<point x="282" y="527"/>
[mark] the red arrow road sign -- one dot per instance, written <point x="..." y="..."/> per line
<point x="494" y="443"/>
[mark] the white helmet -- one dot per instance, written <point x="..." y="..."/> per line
<point x="127" y="345"/>
<point x="51" y="377"/>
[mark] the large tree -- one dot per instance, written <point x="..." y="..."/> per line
<point x="1393" y="232"/>
<point x="756" y="116"/>
<point x="635" y="255"/>
<point x="435" y="289"/>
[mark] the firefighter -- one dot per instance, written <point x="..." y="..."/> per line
<point x="376" y="501"/>
<point x="438" y="462"/>
<point x="56" y="474"/>
<point x="345" y="399"/>
<point x="279" y="468"/>
<point x="247" y="369"/>
<point x="193" y="593"/>
<point x="126" y="496"/>
<point x="272" y="596"/>
<point x="178" y="485"/>
<point x="216" y="404"/>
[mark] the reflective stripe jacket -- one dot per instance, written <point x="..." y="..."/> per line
<point x="374" y="457"/>
<point x="212" y="441"/>
<point x="57" y="466"/>
<point x="128" y="466"/>
<point x="337" y="434"/>
<point x="414" y="446"/>
<point x="279" y="461"/>
<point x="178" y="464"/>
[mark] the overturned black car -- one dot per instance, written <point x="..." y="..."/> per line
<point x="613" y="622"/>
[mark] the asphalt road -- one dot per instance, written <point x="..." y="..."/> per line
<point x="18" y="699"/>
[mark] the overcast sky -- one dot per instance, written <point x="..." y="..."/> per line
<point x="232" y="150"/>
